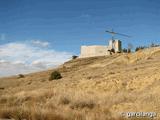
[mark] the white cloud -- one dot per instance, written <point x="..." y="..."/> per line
<point x="23" y="58"/>
<point x="40" y="43"/>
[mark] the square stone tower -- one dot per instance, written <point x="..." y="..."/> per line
<point x="116" y="45"/>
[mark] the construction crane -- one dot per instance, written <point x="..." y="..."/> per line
<point x="115" y="33"/>
<point x="112" y="41"/>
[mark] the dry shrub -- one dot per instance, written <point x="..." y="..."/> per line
<point x="64" y="100"/>
<point x="111" y="72"/>
<point x="80" y="104"/>
<point x="61" y="104"/>
<point x="20" y="113"/>
<point x="17" y="113"/>
<point x="5" y="113"/>
<point x="74" y="106"/>
<point x="2" y="88"/>
<point x="45" y="114"/>
<point x="3" y="100"/>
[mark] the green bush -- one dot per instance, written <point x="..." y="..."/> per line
<point x="21" y="76"/>
<point x="74" y="57"/>
<point x="55" y="75"/>
<point x="124" y="50"/>
<point x="140" y="48"/>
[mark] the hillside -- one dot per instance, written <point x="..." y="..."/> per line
<point x="97" y="88"/>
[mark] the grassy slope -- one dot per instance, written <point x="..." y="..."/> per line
<point x="96" y="88"/>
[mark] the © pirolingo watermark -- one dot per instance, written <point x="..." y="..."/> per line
<point x="139" y="114"/>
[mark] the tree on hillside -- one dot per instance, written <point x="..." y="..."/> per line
<point x="124" y="50"/>
<point x="140" y="48"/>
<point x="130" y="47"/>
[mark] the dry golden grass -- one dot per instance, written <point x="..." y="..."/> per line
<point x="98" y="88"/>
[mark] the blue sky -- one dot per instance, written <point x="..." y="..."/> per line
<point x="67" y="24"/>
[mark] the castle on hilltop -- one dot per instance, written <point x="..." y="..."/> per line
<point x="114" y="46"/>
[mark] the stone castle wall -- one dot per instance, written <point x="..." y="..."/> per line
<point x="91" y="51"/>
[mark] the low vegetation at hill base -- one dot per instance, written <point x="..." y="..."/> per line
<point x="97" y="88"/>
<point x="55" y="75"/>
